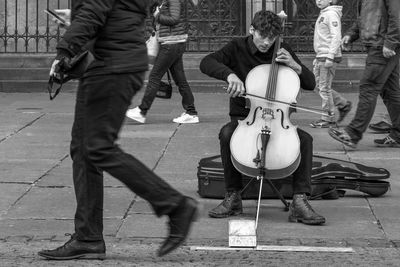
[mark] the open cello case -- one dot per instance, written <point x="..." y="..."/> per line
<point x="330" y="179"/>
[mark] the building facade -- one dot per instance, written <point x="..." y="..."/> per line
<point x="25" y="28"/>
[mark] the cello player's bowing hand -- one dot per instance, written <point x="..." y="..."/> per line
<point x="284" y="57"/>
<point x="235" y="86"/>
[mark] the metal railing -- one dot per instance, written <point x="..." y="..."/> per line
<point x="25" y="28"/>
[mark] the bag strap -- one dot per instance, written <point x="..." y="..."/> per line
<point x="169" y="78"/>
<point x="52" y="80"/>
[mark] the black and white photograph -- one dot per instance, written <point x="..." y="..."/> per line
<point x="199" y="133"/>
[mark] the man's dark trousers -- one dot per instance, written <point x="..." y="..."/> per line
<point x="233" y="178"/>
<point x="381" y="77"/>
<point x="101" y="104"/>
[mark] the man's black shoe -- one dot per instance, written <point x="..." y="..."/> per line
<point x="231" y="205"/>
<point x="300" y="210"/>
<point x="380" y="127"/>
<point x="75" y="249"/>
<point x="180" y="221"/>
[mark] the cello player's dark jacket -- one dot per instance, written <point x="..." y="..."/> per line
<point x="114" y="29"/>
<point x="240" y="56"/>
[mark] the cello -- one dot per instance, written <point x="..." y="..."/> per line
<point x="266" y="143"/>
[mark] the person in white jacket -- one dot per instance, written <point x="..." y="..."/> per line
<point x="327" y="46"/>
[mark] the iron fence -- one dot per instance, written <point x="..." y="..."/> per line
<point x="25" y="28"/>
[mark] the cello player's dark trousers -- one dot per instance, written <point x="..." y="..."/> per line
<point x="100" y="108"/>
<point x="233" y="178"/>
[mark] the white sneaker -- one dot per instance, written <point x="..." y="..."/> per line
<point x="134" y="114"/>
<point x="186" y="118"/>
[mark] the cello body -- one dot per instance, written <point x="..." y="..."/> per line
<point x="282" y="155"/>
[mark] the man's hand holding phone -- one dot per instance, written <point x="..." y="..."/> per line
<point x="60" y="16"/>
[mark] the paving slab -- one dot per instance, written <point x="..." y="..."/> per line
<point x="10" y="195"/>
<point x="38" y="201"/>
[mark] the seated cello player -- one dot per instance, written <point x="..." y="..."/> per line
<point x="232" y="63"/>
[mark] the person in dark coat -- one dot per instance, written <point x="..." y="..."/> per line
<point x="113" y="30"/>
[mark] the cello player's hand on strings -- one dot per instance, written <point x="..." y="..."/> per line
<point x="235" y="86"/>
<point x="284" y="57"/>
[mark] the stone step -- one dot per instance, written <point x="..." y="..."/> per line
<point x="31" y="86"/>
<point x="192" y="74"/>
<point x="29" y="72"/>
<point x="191" y="60"/>
<point x="198" y="86"/>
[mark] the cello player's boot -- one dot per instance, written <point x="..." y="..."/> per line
<point x="231" y="205"/>
<point x="300" y="210"/>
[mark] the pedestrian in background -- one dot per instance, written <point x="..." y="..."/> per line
<point x="378" y="26"/>
<point x="103" y="97"/>
<point x="327" y="40"/>
<point x="172" y="37"/>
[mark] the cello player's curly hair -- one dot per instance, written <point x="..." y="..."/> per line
<point x="267" y="23"/>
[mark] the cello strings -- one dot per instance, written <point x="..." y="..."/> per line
<point x="313" y="110"/>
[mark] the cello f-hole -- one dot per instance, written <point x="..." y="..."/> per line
<point x="254" y="116"/>
<point x="282" y="119"/>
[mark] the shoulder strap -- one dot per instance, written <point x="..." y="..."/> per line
<point x="169" y="77"/>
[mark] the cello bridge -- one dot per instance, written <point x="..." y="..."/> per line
<point x="267" y="112"/>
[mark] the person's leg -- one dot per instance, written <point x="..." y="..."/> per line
<point x="178" y="74"/>
<point x="316" y="71"/>
<point x="325" y="91"/>
<point x="343" y="105"/>
<point x="107" y="100"/>
<point x="233" y="178"/>
<point x="161" y="65"/>
<point x="300" y="209"/>
<point x="338" y="100"/>
<point x="88" y="179"/>
<point x="232" y="203"/>
<point x="87" y="241"/>
<point x="391" y="98"/>
<point x="376" y="73"/>
<point x="302" y="175"/>
<point x="320" y="74"/>
<point x="103" y="101"/>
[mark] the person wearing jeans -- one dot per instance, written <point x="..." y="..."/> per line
<point x="172" y="37"/>
<point x="330" y="98"/>
<point x="378" y="27"/>
<point x="327" y="37"/>
<point x="169" y="57"/>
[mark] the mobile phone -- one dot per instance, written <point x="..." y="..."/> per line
<point x="54" y="14"/>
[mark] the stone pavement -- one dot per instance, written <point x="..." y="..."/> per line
<point x="37" y="198"/>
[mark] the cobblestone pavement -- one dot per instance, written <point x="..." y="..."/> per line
<point x="142" y="253"/>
